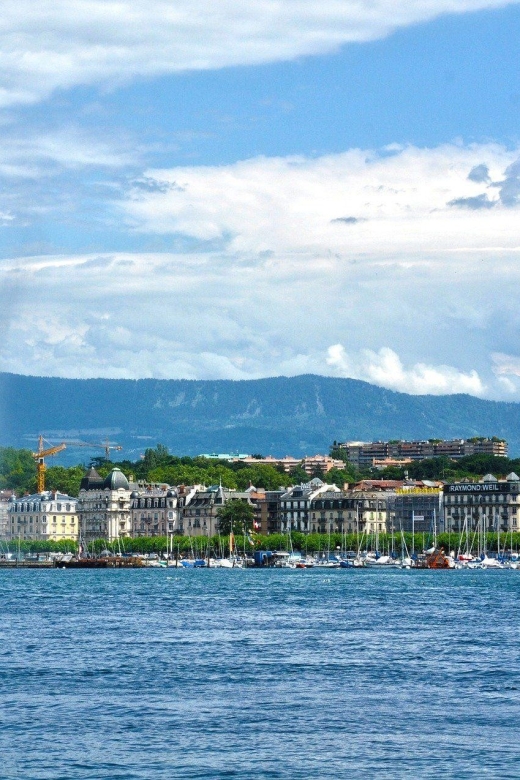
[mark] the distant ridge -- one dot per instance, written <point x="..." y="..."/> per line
<point x="298" y="415"/>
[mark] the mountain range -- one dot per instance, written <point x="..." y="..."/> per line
<point x="299" y="415"/>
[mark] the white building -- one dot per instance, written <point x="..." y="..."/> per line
<point x="5" y="495"/>
<point x="46" y="516"/>
<point x="488" y="505"/>
<point x="153" y="511"/>
<point x="296" y="503"/>
<point x="104" y="506"/>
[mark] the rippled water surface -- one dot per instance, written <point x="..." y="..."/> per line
<point x="259" y="674"/>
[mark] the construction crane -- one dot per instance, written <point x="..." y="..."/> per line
<point x="40" y="463"/>
<point x="105" y="445"/>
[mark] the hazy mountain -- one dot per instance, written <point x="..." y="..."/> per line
<point x="298" y="415"/>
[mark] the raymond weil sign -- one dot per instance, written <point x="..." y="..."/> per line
<point x="478" y="487"/>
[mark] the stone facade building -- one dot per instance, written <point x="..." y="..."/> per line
<point x="104" y="506"/>
<point x="349" y="511"/>
<point x="295" y="505"/>
<point x="5" y="496"/>
<point x="199" y="515"/>
<point x="267" y="510"/>
<point x="488" y="505"/>
<point x="43" y="516"/>
<point x="153" y="511"/>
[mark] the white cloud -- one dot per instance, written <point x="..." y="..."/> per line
<point x="356" y="204"/>
<point x="62" y="43"/>
<point x="26" y="153"/>
<point x="506" y="364"/>
<point x="385" y="368"/>
<point x="419" y="294"/>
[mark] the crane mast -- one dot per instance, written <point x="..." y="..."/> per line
<point x="40" y="462"/>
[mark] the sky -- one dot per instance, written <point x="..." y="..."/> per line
<point x="240" y="190"/>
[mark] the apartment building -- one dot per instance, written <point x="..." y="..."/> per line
<point x="349" y="511"/>
<point x="5" y="496"/>
<point x="153" y="511"/>
<point x="199" y="515"/>
<point x="295" y="505"/>
<point x="368" y="454"/>
<point x="104" y="506"/>
<point x="48" y="516"/>
<point x="488" y="505"/>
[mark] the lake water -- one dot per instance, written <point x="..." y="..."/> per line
<point x="259" y="674"/>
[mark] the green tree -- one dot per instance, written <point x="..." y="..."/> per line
<point x="298" y="475"/>
<point x="261" y="476"/>
<point x="17" y="470"/>
<point x="235" y="516"/>
<point x="66" y="480"/>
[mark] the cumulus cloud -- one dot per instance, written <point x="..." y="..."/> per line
<point x="386" y="369"/>
<point x="401" y="202"/>
<point x="63" y="43"/>
<point x="275" y="281"/>
<point x="508" y="188"/>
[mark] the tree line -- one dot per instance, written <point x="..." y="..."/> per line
<point x="321" y="544"/>
<point x="18" y="471"/>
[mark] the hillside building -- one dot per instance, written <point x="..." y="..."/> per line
<point x="368" y="454"/>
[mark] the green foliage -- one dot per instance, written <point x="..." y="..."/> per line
<point x="262" y="477"/>
<point x="237" y="516"/>
<point x="390" y="472"/>
<point x="182" y="474"/>
<point x="298" y="475"/>
<point x="340" y="476"/>
<point x="17" y="470"/>
<point x="40" y="546"/>
<point x="201" y="546"/>
<point x="66" y="480"/>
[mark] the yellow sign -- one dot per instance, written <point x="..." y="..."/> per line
<point x="418" y="490"/>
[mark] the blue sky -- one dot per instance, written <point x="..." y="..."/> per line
<point x="279" y="188"/>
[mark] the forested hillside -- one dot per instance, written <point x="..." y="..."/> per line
<point x="298" y="415"/>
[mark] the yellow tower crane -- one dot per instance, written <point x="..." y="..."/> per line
<point x="40" y="463"/>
